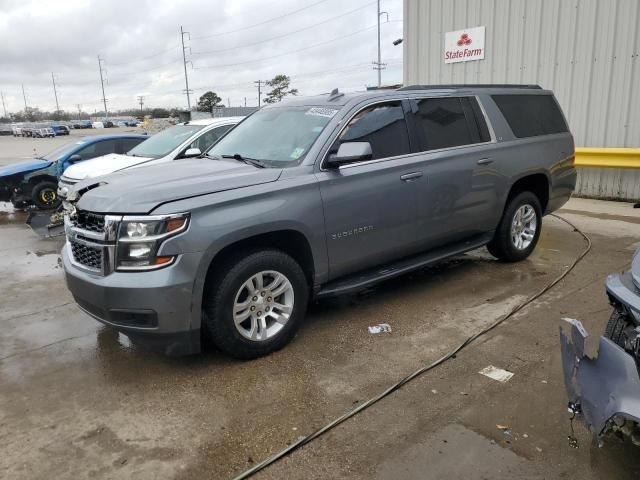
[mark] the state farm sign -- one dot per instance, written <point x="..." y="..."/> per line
<point x="464" y="45"/>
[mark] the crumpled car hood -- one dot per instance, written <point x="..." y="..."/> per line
<point x="140" y="190"/>
<point x="96" y="167"/>
<point x="24" y="167"/>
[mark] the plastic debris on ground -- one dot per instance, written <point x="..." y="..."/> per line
<point x="497" y="374"/>
<point x="380" y="328"/>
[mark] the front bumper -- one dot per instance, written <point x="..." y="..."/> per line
<point x="601" y="379"/>
<point x="64" y="184"/>
<point x="152" y="308"/>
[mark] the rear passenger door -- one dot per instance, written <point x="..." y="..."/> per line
<point x="454" y="144"/>
<point x="370" y="206"/>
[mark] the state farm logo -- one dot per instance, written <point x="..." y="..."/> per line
<point x="464" y="45"/>
<point x="465" y="39"/>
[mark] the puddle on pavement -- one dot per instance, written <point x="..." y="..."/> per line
<point x="456" y="453"/>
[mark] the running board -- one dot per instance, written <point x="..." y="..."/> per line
<point x="358" y="281"/>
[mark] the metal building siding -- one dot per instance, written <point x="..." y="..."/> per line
<point x="586" y="51"/>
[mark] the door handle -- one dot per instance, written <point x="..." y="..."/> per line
<point x="485" y="161"/>
<point x="410" y="176"/>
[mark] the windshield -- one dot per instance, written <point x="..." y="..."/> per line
<point x="164" y="142"/>
<point x="280" y="136"/>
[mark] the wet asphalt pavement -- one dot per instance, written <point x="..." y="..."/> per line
<point x="79" y="401"/>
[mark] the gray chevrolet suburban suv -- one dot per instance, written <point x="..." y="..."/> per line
<point x="309" y="198"/>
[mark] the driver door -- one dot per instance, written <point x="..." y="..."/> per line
<point x="370" y="207"/>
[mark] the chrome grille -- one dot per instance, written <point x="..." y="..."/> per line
<point x="89" y="257"/>
<point x="93" y="222"/>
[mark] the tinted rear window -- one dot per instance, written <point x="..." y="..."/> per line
<point x="531" y="115"/>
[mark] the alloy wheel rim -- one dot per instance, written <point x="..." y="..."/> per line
<point x="263" y="305"/>
<point x="523" y="227"/>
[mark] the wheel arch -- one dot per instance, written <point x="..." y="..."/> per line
<point x="291" y="241"/>
<point x="538" y="183"/>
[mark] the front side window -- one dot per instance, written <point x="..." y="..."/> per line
<point x="97" y="149"/>
<point x="383" y="126"/>
<point x="278" y="136"/>
<point x="129" y="143"/>
<point x="164" y="142"/>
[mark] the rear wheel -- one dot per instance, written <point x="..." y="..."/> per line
<point x="255" y="304"/>
<point x="45" y="195"/>
<point x="519" y="229"/>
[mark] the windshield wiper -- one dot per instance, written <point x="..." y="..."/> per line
<point x="250" y="161"/>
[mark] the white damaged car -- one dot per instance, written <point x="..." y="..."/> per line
<point x="184" y="140"/>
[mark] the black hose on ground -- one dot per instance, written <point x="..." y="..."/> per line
<point x="426" y="368"/>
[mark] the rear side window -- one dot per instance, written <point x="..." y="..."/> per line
<point x="531" y="115"/>
<point x="129" y="143"/>
<point x="383" y="126"/>
<point x="448" y="122"/>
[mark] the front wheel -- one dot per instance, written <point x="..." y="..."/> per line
<point x="45" y="195"/>
<point x="255" y="304"/>
<point x="519" y="229"/>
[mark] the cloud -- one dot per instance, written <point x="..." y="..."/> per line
<point x="321" y="44"/>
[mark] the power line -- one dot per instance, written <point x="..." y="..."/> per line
<point x="184" y="60"/>
<point x="104" y="99"/>
<point x="175" y="47"/>
<point x="287" y="53"/>
<point x="260" y="23"/>
<point x="285" y="34"/>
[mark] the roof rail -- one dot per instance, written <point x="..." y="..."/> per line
<point x="470" y="85"/>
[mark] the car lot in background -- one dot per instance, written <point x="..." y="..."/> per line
<point x="33" y="181"/>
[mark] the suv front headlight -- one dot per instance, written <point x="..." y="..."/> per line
<point x="140" y="238"/>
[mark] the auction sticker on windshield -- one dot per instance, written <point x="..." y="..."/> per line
<point x="321" y="112"/>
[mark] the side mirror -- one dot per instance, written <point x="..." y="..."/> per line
<point x="74" y="158"/>
<point x="192" y="152"/>
<point x="350" y="152"/>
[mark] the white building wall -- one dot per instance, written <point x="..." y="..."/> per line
<point x="586" y="51"/>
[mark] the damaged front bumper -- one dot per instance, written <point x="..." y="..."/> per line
<point x="601" y="380"/>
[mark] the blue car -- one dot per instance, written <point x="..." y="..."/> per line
<point x="35" y="181"/>
<point x="60" y="129"/>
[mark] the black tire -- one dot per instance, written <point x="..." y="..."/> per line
<point x="501" y="246"/>
<point x="616" y="325"/>
<point x="45" y="195"/>
<point x="220" y="294"/>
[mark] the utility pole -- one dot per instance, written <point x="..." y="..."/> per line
<point x="259" y="83"/>
<point x="229" y="102"/>
<point x="184" y="61"/>
<point x="245" y="101"/>
<point x="379" y="65"/>
<point x="4" y="107"/>
<point x="79" y="110"/>
<point x="24" y="96"/>
<point x="104" y="99"/>
<point x="55" y="93"/>
<point x="141" y="102"/>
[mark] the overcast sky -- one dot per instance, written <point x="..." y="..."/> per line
<point x="320" y="44"/>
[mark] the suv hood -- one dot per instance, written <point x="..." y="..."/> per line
<point x="24" y="167"/>
<point x="140" y="190"/>
<point x="96" y="167"/>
